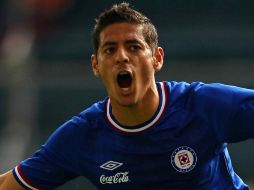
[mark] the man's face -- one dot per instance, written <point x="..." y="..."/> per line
<point x="126" y="63"/>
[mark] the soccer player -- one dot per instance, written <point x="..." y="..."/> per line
<point x="145" y="135"/>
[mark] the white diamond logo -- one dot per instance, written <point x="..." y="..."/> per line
<point x="111" y="165"/>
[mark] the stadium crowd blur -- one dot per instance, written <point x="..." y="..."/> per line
<point x="45" y="76"/>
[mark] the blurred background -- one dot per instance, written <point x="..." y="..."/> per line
<point x="45" y="74"/>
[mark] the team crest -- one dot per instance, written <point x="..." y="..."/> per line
<point x="184" y="159"/>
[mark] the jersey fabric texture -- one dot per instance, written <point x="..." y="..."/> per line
<point x="182" y="147"/>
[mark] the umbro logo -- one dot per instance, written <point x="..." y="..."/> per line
<point x="111" y="165"/>
<point x="120" y="177"/>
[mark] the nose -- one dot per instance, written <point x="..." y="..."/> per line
<point x="122" y="56"/>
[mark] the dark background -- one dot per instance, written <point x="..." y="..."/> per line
<point x="45" y="74"/>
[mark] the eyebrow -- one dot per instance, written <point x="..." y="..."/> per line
<point x="131" y="41"/>
<point x="109" y="43"/>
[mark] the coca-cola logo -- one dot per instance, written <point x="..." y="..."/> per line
<point x="121" y="177"/>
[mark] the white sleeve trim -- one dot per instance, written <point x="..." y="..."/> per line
<point x="16" y="170"/>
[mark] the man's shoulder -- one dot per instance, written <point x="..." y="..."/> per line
<point x="94" y="110"/>
<point x="182" y="86"/>
<point x="81" y="124"/>
<point x="90" y="115"/>
<point x="181" y="90"/>
<point x="191" y="94"/>
<point x="198" y="88"/>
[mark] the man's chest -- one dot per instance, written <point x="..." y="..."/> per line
<point x="145" y="160"/>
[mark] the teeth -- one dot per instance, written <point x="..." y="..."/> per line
<point x="125" y="89"/>
<point x="123" y="73"/>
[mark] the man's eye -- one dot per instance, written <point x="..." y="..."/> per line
<point x="109" y="50"/>
<point x="134" y="47"/>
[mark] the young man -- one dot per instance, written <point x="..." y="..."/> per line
<point x="145" y="134"/>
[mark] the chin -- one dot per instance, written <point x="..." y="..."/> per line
<point x="127" y="103"/>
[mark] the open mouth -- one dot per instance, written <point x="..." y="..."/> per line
<point x="124" y="79"/>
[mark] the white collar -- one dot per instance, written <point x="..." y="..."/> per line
<point x="146" y="125"/>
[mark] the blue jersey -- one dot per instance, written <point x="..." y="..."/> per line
<point x="182" y="147"/>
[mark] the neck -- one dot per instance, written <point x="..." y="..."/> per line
<point x="140" y="112"/>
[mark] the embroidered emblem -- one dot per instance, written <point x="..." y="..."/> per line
<point x="111" y="165"/>
<point x="184" y="159"/>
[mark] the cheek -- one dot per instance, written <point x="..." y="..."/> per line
<point x="106" y="74"/>
<point x="146" y="72"/>
<point x="147" y="67"/>
<point x="102" y="67"/>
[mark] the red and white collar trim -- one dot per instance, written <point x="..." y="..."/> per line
<point x="163" y="97"/>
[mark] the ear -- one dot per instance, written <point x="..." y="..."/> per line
<point x="158" y="58"/>
<point x="95" y="66"/>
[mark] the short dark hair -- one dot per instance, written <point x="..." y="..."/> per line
<point x="120" y="13"/>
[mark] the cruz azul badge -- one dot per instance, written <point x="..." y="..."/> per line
<point x="183" y="159"/>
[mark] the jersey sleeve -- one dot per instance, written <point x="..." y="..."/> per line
<point x="54" y="163"/>
<point x="229" y="110"/>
